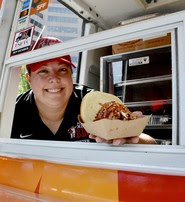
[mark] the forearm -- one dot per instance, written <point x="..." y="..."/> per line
<point x="146" y="139"/>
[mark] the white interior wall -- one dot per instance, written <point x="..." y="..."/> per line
<point x="90" y="28"/>
<point x="90" y="64"/>
<point x="11" y="85"/>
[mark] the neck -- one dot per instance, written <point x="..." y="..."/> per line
<point x="51" y="116"/>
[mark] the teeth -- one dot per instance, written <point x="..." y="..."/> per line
<point x="54" y="90"/>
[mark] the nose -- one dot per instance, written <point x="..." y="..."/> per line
<point x="54" y="78"/>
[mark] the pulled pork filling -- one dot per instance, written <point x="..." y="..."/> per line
<point x="113" y="110"/>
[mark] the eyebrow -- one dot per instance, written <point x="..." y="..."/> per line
<point x="59" y="65"/>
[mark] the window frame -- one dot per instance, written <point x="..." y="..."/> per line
<point x="142" y="158"/>
<point x="154" y="159"/>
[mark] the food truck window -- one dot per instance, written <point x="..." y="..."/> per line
<point x="127" y="79"/>
<point x="142" y="79"/>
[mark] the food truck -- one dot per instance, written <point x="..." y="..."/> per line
<point x="134" y="49"/>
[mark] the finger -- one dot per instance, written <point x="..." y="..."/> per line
<point x="99" y="140"/>
<point x="138" y="113"/>
<point x="133" y="140"/>
<point x="92" y="136"/>
<point x="119" y="141"/>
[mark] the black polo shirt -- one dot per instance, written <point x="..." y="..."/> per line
<point x="27" y="123"/>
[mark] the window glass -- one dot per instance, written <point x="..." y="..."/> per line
<point x="60" y="22"/>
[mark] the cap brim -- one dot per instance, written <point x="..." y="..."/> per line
<point x="67" y="62"/>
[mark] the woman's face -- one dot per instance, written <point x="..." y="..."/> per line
<point x="52" y="84"/>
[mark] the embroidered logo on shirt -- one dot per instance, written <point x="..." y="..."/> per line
<point x="71" y="131"/>
<point x="78" y="132"/>
<point x="25" y="136"/>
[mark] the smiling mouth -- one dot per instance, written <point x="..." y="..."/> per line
<point x="54" y="90"/>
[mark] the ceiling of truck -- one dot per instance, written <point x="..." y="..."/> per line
<point x="114" y="11"/>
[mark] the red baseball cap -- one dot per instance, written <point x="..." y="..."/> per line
<point x="47" y="41"/>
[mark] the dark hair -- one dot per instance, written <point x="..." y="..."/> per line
<point x="29" y="71"/>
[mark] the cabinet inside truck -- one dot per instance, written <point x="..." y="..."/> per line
<point x="142" y="79"/>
